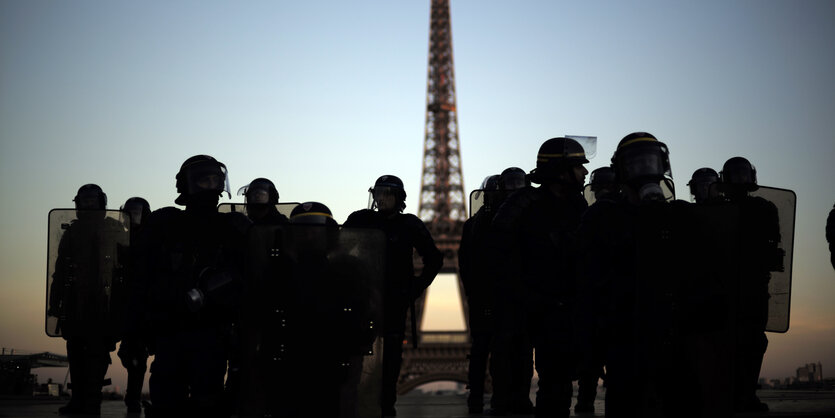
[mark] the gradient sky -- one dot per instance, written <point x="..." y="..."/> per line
<point x="322" y="97"/>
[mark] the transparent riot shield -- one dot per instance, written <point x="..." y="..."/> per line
<point x="310" y="327"/>
<point x="589" y="195"/>
<point x="284" y="208"/>
<point x="779" y="286"/>
<point x="479" y="198"/>
<point x="589" y="144"/>
<point x="87" y="261"/>
<point x="476" y="201"/>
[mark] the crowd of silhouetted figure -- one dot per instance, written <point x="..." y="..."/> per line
<point x="273" y="309"/>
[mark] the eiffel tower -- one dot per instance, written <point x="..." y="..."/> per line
<point x="441" y="355"/>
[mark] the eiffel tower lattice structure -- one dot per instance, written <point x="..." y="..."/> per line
<point x="441" y="355"/>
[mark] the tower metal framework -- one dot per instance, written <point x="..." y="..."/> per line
<point x="441" y="355"/>
<point x="442" y="199"/>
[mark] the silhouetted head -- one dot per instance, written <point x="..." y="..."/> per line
<point x="260" y="191"/>
<point x="642" y="163"/>
<point x="703" y="184"/>
<point x="739" y="174"/>
<point x="201" y="180"/>
<point x="513" y="178"/>
<point x="90" y="196"/>
<point x="388" y="194"/>
<point x="485" y="193"/>
<point x="138" y="208"/>
<point x="603" y="183"/>
<point x="560" y="161"/>
<point x="312" y="213"/>
<point x="260" y="196"/>
<point x="490" y="183"/>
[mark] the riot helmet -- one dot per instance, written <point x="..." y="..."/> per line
<point x="738" y="173"/>
<point x="602" y="184"/>
<point x="642" y="162"/>
<point x="490" y="182"/>
<point x="489" y="186"/>
<point x="203" y="177"/>
<point x="90" y="196"/>
<point x="555" y="158"/>
<point x="388" y="194"/>
<point x="259" y="191"/>
<point x="138" y="208"/>
<point x="703" y="185"/>
<point x="513" y="178"/>
<point x="312" y="213"/>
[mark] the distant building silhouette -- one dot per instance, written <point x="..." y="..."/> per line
<point x="16" y="377"/>
<point x="810" y="373"/>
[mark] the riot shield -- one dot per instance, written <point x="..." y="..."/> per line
<point x="284" y="208"/>
<point x="779" y="286"/>
<point x="589" y="195"/>
<point x="311" y="334"/>
<point x="589" y="144"/>
<point x="476" y="201"/>
<point x="87" y="261"/>
<point x="479" y="198"/>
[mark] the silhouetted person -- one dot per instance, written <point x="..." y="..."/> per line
<point x="261" y="198"/>
<point x="534" y="251"/>
<point x="601" y="190"/>
<point x="830" y="235"/>
<point x="479" y="289"/>
<point x="309" y="303"/>
<point x="405" y="233"/>
<point x="635" y="300"/>
<point x="192" y="267"/>
<point x="133" y="351"/>
<point x="759" y="228"/>
<point x="479" y="282"/>
<point x="85" y="274"/>
<point x="704" y="186"/>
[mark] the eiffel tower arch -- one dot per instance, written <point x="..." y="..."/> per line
<point x="441" y="355"/>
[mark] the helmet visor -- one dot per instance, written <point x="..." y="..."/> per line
<point x="207" y="176"/>
<point x="738" y="174"/>
<point x="88" y="200"/>
<point x="513" y="181"/>
<point x="384" y="198"/>
<point x="257" y="196"/>
<point x="644" y="162"/>
<point x="135" y="210"/>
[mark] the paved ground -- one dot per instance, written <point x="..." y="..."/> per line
<point x="415" y="405"/>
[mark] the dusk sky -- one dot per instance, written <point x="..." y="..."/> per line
<point x="322" y="97"/>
